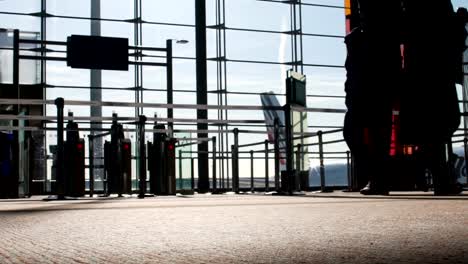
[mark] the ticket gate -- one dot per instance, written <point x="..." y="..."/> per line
<point x="74" y="159"/>
<point x="8" y="180"/>
<point x="161" y="163"/>
<point x="118" y="162"/>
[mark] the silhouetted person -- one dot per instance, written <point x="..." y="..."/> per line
<point x="373" y="68"/>
<point x="115" y="162"/>
<point x="429" y="105"/>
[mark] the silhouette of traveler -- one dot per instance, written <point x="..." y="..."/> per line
<point x="373" y="68"/>
<point x="433" y="37"/>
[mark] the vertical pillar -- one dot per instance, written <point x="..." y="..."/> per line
<point x="60" y="183"/>
<point x="202" y="98"/>
<point x="142" y="156"/>
<point x="95" y="92"/>
<point x="170" y="95"/>
<point x="91" y="164"/>
<point x="43" y="163"/>
<point x="16" y="45"/>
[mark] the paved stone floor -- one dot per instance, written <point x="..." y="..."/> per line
<point x="317" y="228"/>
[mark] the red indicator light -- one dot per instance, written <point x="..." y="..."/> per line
<point x="79" y="146"/>
<point x="170" y="147"/>
<point x="126" y="146"/>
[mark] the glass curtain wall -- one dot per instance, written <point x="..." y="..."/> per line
<point x="251" y="46"/>
<point x="248" y="54"/>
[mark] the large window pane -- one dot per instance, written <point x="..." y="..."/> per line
<point x="23" y="6"/>
<point x="180" y="11"/>
<point x="69" y="8"/>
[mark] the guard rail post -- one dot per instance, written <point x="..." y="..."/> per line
<point x="277" y="154"/>
<point x="267" y="183"/>
<point x="322" y="167"/>
<point x="215" y="183"/>
<point x="91" y="164"/>
<point x="252" y="184"/>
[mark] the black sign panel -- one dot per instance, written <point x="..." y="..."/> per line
<point x="94" y="52"/>
<point x="296" y="89"/>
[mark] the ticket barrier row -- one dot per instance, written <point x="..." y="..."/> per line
<point x="117" y="164"/>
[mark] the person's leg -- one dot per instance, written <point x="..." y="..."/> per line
<point x="444" y="184"/>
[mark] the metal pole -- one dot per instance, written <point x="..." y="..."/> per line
<point x="91" y="165"/>
<point x="235" y="162"/>
<point x="277" y="155"/>
<point x="142" y="156"/>
<point x="59" y="102"/>
<point x="170" y="96"/>
<point x="215" y="187"/>
<point x="180" y="170"/>
<point x="43" y="84"/>
<point x="202" y="95"/>
<point x="322" y="167"/>
<point x="192" y="175"/>
<point x="252" y="187"/>
<point x="16" y="45"/>
<point x="289" y="148"/>
<point x="96" y="94"/>
<point x="298" y="166"/>
<point x="17" y="165"/>
<point x="267" y="183"/>
<point x="348" y="170"/>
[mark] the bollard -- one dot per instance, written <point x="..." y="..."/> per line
<point x="322" y="167"/>
<point x="60" y="181"/>
<point x="267" y="183"/>
<point x="215" y="187"/>
<point x="142" y="156"/>
<point x="91" y="165"/>
<point x="277" y="155"/>
<point x="252" y="186"/>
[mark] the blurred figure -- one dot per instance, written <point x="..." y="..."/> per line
<point x="429" y="104"/>
<point x="373" y="68"/>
